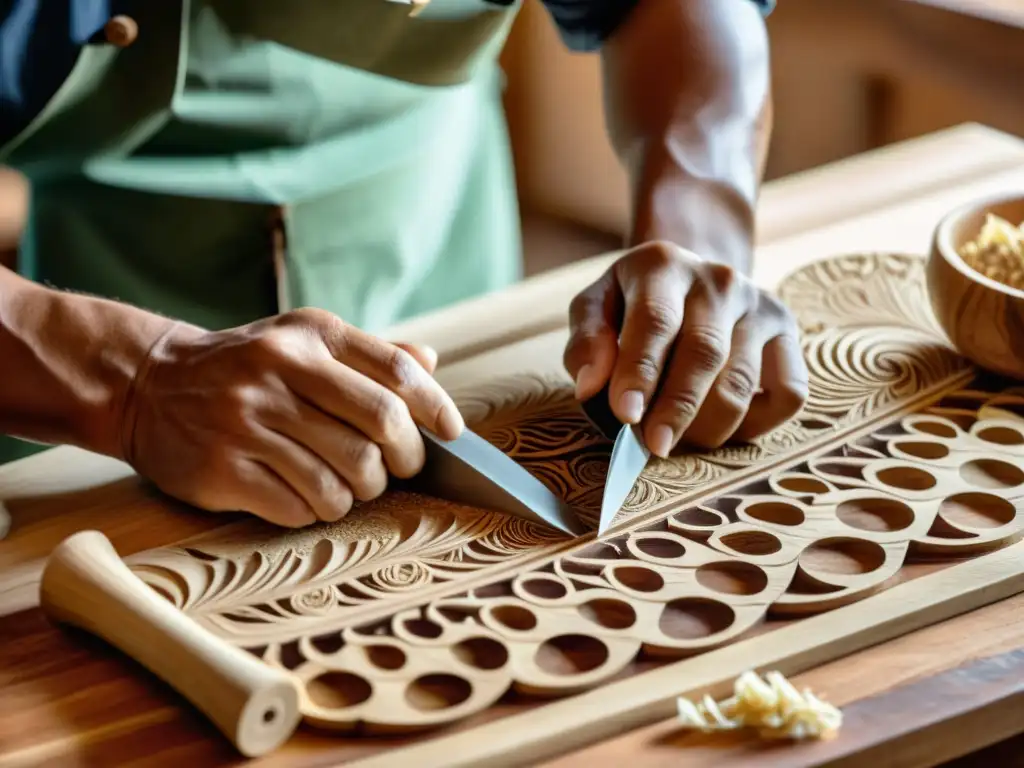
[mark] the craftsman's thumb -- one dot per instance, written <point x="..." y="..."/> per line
<point x="425" y="356"/>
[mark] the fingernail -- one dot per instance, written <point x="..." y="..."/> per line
<point x="585" y="382"/>
<point x="431" y="356"/>
<point x="451" y="424"/>
<point x="661" y="440"/>
<point x="631" y="406"/>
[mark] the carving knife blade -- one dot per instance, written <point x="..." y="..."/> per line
<point x="629" y="456"/>
<point x="469" y="470"/>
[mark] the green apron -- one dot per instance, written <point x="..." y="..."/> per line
<point x="244" y="157"/>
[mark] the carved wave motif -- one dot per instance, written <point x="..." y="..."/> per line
<point x="270" y="587"/>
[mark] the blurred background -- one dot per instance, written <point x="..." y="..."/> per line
<point x="848" y="76"/>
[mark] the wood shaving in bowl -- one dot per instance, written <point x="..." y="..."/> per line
<point x="771" y="705"/>
<point x="997" y="252"/>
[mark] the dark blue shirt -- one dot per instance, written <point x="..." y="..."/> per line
<point x="39" y="40"/>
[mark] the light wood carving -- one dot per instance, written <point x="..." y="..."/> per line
<point x="412" y="612"/>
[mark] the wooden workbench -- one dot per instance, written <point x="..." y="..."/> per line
<point x="68" y="700"/>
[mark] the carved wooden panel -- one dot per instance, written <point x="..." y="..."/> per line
<point x="413" y="612"/>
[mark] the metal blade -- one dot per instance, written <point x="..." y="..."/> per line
<point x="629" y="457"/>
<point x="471" y="471"/>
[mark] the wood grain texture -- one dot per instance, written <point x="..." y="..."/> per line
<point x="49" y="680"/>
<point x="983" y="318"/>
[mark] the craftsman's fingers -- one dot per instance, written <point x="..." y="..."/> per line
<point x="242" y="484"/>
<point x="784" y="385"/>
<point x="424" y="355"/>
<point x="717" y="299"/>
<point x="594" y="317"/>
<point x="734" y="387"/>
<point x="654" y="286"/>
<point x="356" y="459"/>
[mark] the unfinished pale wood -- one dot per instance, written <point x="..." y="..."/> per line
<point x="86" y="584"/>
<point x="984" y="318"/>
<point x="570" y="724"/>
<point x="417" y="612"/>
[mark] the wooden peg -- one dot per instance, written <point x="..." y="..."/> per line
<point x="86" y="584"/>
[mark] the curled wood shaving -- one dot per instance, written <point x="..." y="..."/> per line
<point x="770" y="704"/>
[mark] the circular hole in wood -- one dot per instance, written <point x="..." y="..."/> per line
<point x="732" y="577"/>
<point x="328" y="644"/>
<point x="545" y="589"/>
<point x="338" y="690"/>
<point x="692" y="618"/>
<point x="423" y="628"/>
<point x="639" y="579"/>
<point x="660" y="548"/>
<point x="697" y="517"/>
<point x="429" y="693"/>
<point x="609" y="613"/>
<point x="876" y="514"/>
<point x="977" y="510"/>
<point x="482" y="653"/>
<point x="937" y="428"/>
<point x="1001" y="435"/>
<point x="776" y="513"/>
<point x="752" y="543"/>
<point x="514" y="617"/>
<point x="269" y="715"/>
<point x="804" y="485"/>
<point x="571" y="655"/>
<point x="907" y="478"/>
<point x="384" y="656"/>
<point x="843" y="556"/>
<point x="923" y="449"/>
<point x="991" y="473"/>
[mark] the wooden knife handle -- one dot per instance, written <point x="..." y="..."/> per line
<point x="86" y="584"/>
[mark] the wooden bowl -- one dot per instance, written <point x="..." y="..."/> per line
<point x="983" y="318"/>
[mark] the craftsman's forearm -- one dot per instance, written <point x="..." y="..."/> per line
<point x="688" y="105"/>
<point x="67" y="362"/>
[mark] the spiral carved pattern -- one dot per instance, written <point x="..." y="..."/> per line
<point x="415" y="613"/>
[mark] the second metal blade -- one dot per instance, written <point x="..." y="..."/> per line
<point x="629" y="458"/>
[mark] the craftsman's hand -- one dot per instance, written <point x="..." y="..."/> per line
<point x="693" y="350"/>
<point x="291" y="418"/>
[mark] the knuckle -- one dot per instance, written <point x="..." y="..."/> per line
<point x="679" y="406"/>
<point x="705" y="348"/>
<point x="400" y="368"/>
<point x="791" y="396"/>
<point x="270" y="347"/>
<point x="720" y="278"/>
<point x="389" y="414"/>
<point x="662" y="316"/>
<point x="645" y="369"/>
<point x="740" y="381"/>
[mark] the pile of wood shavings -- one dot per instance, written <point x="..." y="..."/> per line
<point x="997" y="252"/>
<point x="770" y="704"/>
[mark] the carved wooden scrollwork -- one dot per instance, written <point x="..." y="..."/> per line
<point x="414" y="612"/>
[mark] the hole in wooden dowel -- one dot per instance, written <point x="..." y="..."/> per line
<point x="514" y="617"/>
<point x="1001" y="435"/>
<point x="845" y="556"/>
<point x="545" y="589"/>
<point x="639" y="579"/>
<point x="977" y="510"/>
<point x="385" y="656"/>
<point x="269" y="716"/>
<point x="732" y="578"/>
<point x="660" y="548"/>
<point x="571" y="655"/>
<point x="430" y="693"/>
<point x="776" y="513"/>
<point x="936" y="428"/>
<point x="875" y="514"/>
<point x="338" y="690"/>
<point x="922" y="449"/>
<point x="482" y="653"/>
<point x="803" y="485"/>
<point x="697" y="517"/>
<point x="609" y="613"/>
<point x="991" y="473"/>
<point x="692" y="618"/>
<point x="906" y="478"/>
<point x="755" y="543"/>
